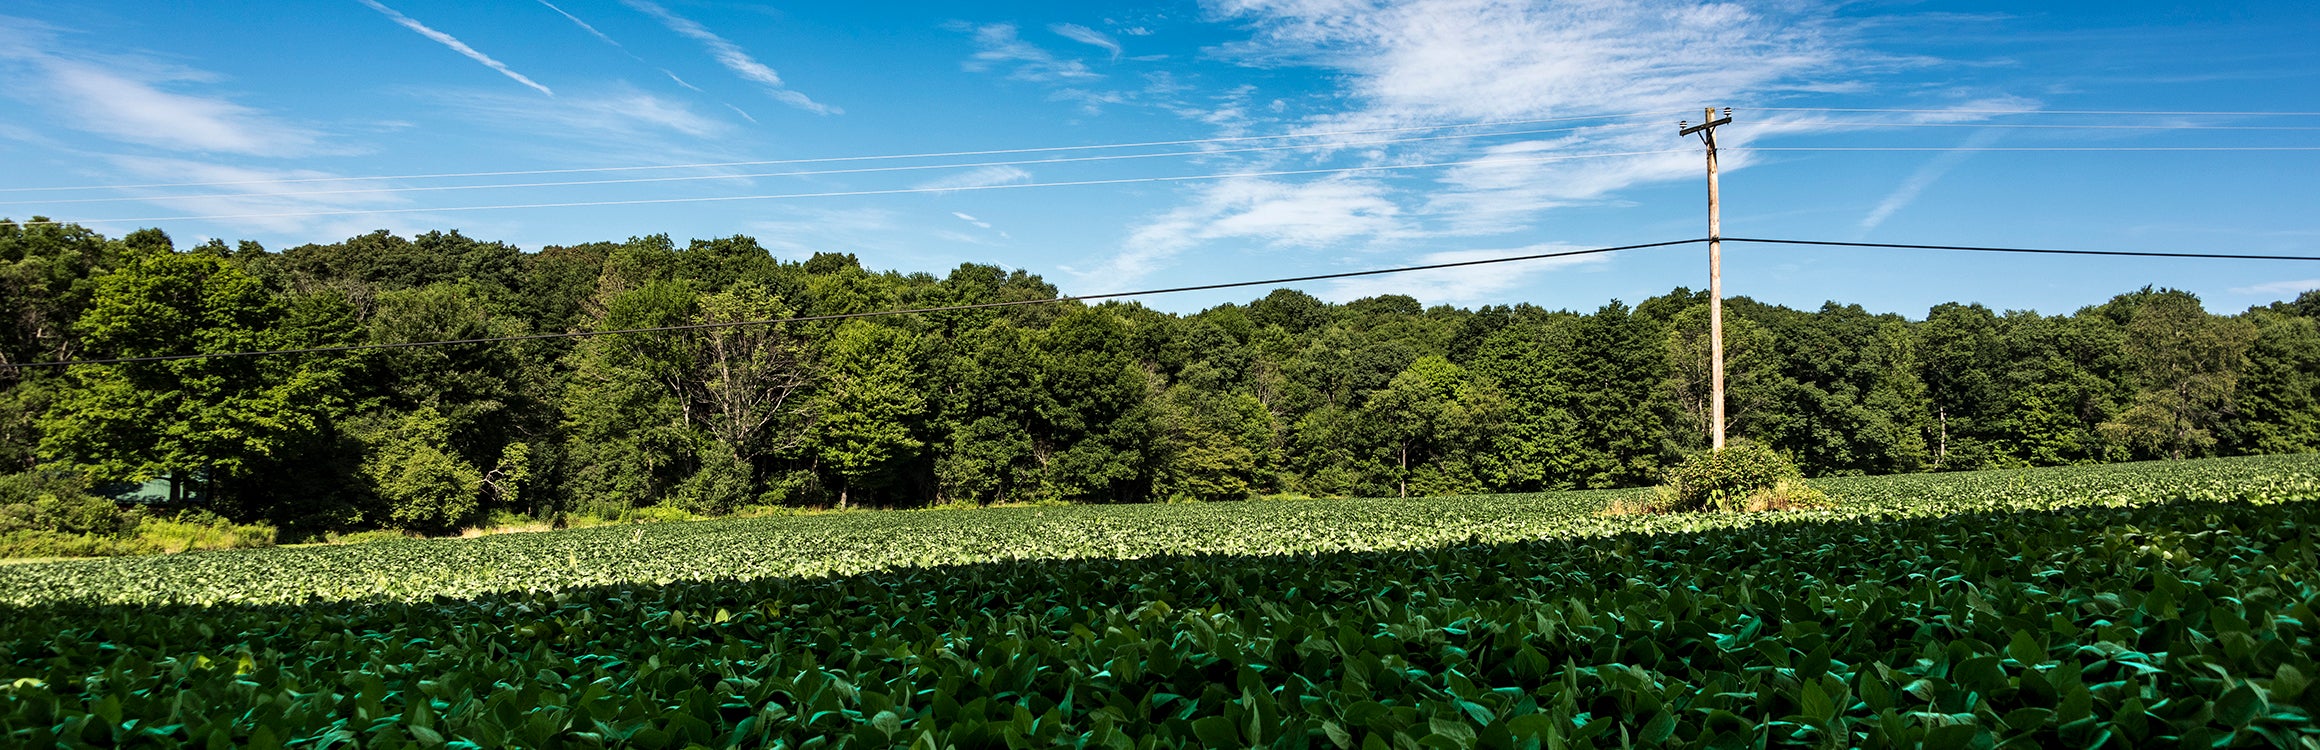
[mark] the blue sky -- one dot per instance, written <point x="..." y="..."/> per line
<point x="277" y="104"/>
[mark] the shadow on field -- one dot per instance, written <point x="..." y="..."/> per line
<point x="1711" y="626"/>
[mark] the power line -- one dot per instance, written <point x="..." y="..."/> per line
<point x="1151" y="292"/>
<point x="1137" y="180"/>
<point x="2034" y="125"/>
<point x="819" y="160"/>
<point x="872" y="314"/>
<point x="2102" y="112"/>
<point x="852" y="193"/>
<point x="808" y="173"/>
<point x="2056" y="149"/>
<point x="2029" y="250"/>
<point x="1215" y="152"/>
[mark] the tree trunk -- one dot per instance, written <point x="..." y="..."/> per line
<point x="1405" y="477"/>
<point x="1941" y="454"/>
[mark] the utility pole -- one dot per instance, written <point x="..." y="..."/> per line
<point x="1707" y="131"/>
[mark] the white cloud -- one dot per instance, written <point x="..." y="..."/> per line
<point x="976" y="178"/>
<point x="1435" y="62"/>
<point x="1931" y="172"/>
<point x="1518" y="180"/>
<point x="600" y="36"/>
<point x="1000" y="47"/>
<point x="1464" y="284"/>
<point x="733" y="57"/>
<point x="1492" y="59"/>
<point x="456" y="46"/>
<point x="971" y="220"/>
<point x="801" y="232"/>
<point x="622" y="114"/>
<point x="1271" y="214"/>
<point x="2298" y="286"/>
<point x="128" y="98"/>
<point x="257" y="192"/>
<point x="1087" y="36"/>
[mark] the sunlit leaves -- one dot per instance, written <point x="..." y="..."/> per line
<point x="2168" y="604"/>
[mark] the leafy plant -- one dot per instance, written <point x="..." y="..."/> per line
<point x="2161" y="604"/>
<point x="1742" y="476"/>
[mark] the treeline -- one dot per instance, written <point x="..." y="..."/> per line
<point x="1060" y="401"/>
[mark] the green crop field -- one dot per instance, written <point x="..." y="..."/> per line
<point x="2167" y="604"/>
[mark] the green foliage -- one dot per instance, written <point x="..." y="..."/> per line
<point x="52" y="515"/>
<point x="61" y="503"/>
<point x="225" y="416"/>
<point x="197" y="530"/>
<point x="1061" y="402"/>
<point x="1729" y="479"/>
<point x="721" y="485"/>
<point x="869" y="401"/>
<point x="2151" y="604"/>
<point x="2188" y="365"/>
<point x="1432" y="414"/>
<point x="424" y="488"/>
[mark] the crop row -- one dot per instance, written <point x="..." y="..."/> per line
<point x="847" y="544"/>
<point x="2120" y="620"/>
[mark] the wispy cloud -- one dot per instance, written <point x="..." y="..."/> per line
<point x="622" y="114"/>
<point x="2298" y="286"/>
<point x="1465" y="284"/>
<point x="975" y="178"/>
<point x="456" y="46"/>
<point x="1429" y="62"/>
<point x="260" y="191"/>
<point x="1927" y="174"/>
<point x="600" y="36"/>
<point x="1088" y="36"/>
<point x="971" y="220"/>
<point x="799" y="232"/>
<point x="998" y="46"/>
<point x="1266" y="213"/>
<point x="733" y="57"/>
<point x="127" y="98"/>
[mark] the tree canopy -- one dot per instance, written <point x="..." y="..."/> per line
<point x="1047" y="402"/>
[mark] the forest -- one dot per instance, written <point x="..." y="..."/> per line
<point x="1056" y="402"/>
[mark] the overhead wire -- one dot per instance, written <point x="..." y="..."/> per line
<point x="1137" y="180"/>
<point x="1140" y="144"/>
<point x="869" y="314"/>
<point x="2039" y="125"/>
<point x="2024" y="250"/>
<point x="1159" y="291"/>
<point x="1159" y="155"/>
<point x="809" y="173"/>
<point x="2090" y="112"/>
<point x="877" y="191"/>
<point x="874" y="157"/>
<point x="2061" y="149"/>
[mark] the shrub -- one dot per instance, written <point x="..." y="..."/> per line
<point x="719" y="487"/>
<point x="78" y="525"/>
<point x="197" y="529"/>
<point x="368" y="537"/>
<point x="1742" y="476"/>
<point x="60" y="503"/>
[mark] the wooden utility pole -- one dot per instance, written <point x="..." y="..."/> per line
<point x="1707" y="131"/>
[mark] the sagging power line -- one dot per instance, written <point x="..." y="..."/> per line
<point x="870" y="314"/>
<point x="1151" y="292"/>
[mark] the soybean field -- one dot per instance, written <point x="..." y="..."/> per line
<point x="2126" y="605"/>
